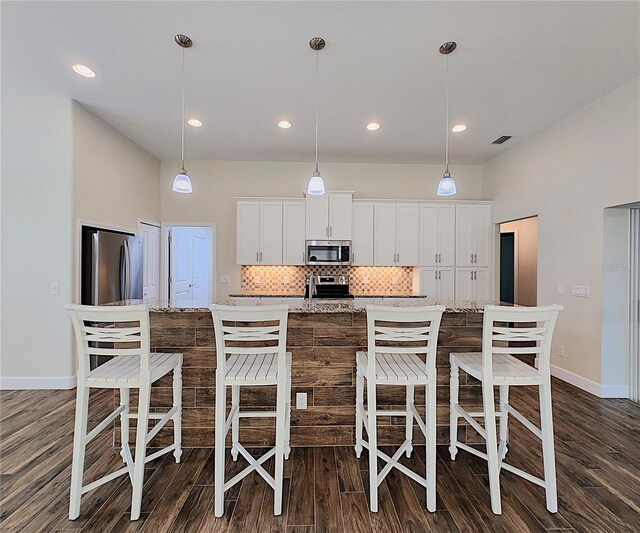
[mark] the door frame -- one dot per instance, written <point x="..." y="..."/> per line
<point x="516" y="254"/>
<point x="164" y="256"/>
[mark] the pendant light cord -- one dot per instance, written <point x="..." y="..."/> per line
<point x="317" y="91"/>
<point x="182" y="143"/>
<point x="446" y="157"/>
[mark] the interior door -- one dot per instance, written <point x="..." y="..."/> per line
<point x="340" y="217"/>
<point x="384" y="250"/>
<point x="362" y="234"/>
<point x="293" y="232"/>
<point x="151" y="261"/>
<point x="407" y="234"/>
<point x="270" y="233"/>
<point x="248" y="237"/>
<point x="317" y="213"/>
<point x="200" y="250"/>
<point x="507" y="267"/>
<point x="181" y="267"/>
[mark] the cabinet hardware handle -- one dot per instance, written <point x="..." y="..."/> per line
<point x="439" y="258"/>
<point x="436" y="258"/>
<point x="471" y="274"/>
<point x="303" y="258"/>
<point x="436" y="273"/>
<point x="261" y="257"/>
<point x="257" y="257"/>
<point x="471" y="260"/>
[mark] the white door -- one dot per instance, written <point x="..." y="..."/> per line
<point x="483" y="280"/>
<point x="270" y="233"/>
<point x="340" y="216"/>
<point x="151" y="261"/>
<point x="181" y="267"/>
<point x="407" y="234"/>
<point x="429" y="283"/>
<point x="465" y="287"/>
<point x="446" y="235"/>
<point x="384" y="248"/>
<point x="248" y="237"/>
<point x="465" y="233"/>
<point x="317" y="214"/>
<point x="362" y="234"/>
<point x="428" y="235"/>
<point x="446" y="284"/>
<point x="483" y="237"/>
<point x="293" y="232"/>
<point x="201" y="258"/>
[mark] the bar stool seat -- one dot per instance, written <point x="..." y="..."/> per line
<point x="125" y="369"/>
<point x="394" y="368"/>
<point x="254" y="369"/>
<point x="506" y="369"/>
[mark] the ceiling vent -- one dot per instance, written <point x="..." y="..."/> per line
<point x="502" y="139"/>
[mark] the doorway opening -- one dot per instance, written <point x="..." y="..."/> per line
<point x="190" y="265"/>
<point x="519" y="261"/>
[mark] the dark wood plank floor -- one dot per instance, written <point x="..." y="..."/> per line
<point x="326" y="489"/>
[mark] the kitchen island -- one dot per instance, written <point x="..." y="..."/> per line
<point x="323" y="339"/>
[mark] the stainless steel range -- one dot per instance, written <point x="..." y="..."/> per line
<point x="332" y="286"/>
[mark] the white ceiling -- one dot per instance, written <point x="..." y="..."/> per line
<point x="519" y="67"/>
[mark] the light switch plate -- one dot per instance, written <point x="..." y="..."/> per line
<point x="256" y="280"/>
<point x="301" y="400"/>
<point x="560" y="350"/>
<point x="365" y="280"/>
<point x="286" y="280"/>
<point x="225" y="279"/>
<point x="394" y="280"/>
<point x="581" y="291"/>
<point x="560" y="288"/>
<point x="55" y="288"/>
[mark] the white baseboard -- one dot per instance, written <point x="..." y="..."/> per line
<point x="37" y="383"/>
<point x="597" y="389"/>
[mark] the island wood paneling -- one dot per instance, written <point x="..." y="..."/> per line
<point x="323" y="346"/>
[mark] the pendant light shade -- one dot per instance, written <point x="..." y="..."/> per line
<point x="447" y="186"/>
<point x="182" y="182"/>
<point x="316" y="183"/>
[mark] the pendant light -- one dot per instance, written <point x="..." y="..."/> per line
<point x="447" y="187"/>
<point x="316" y="183"/>
<point x="182" y="183"/>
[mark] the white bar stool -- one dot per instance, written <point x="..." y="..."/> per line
<point x="126" y="329"/>
<point x="251" y="351"/>
<point x="503" y="329"/>
<point x="396" y="337"/>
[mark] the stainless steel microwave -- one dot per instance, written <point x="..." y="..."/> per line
<point x="328" y="253"/>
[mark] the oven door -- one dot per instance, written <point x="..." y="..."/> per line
<point x="328" y="253"/>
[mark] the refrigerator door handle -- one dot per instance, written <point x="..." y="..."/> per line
<point x="127" y="267"/>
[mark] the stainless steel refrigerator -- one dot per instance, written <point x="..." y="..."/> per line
<point x="111" y="266"/>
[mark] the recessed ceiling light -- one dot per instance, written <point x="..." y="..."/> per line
<point x="194" y="122"/>
<point x="373" y="126"/>
<point x="458" y="128"/>
<point x="83" y="70"/>
<point x="284" y="124"/>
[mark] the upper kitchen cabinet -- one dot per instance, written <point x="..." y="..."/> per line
<point x="329" y="216"/>
<point x="259" y="237"/>
<point x="437" y="234"/>
<point x="362" y="234"/>
<point x="293" y="232"/>
<point x="396" y="234"/>
<point x="474" y="232"/>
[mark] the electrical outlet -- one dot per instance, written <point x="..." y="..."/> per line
<point x="55" y="288"/>
<point x="301" y="400"/>
<point x="560" y="288"/>
<point x="286" y="280"/>
<point x="256" y="280"/>
<point x="581" y="291"/>
<point x="560" y="350"/>
<point x="394" y="280"/>
<point x="225" y="280"/>
<point x="365" y="280"/>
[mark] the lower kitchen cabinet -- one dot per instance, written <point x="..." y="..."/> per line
<point x="437" y="283"/>
<point x="474" y="284"/>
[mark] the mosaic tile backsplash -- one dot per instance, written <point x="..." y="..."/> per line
<point x="363" y="280"/>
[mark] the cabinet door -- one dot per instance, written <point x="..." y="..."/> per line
<point x="429" y="283"/>
<point x="248" y="236"/>
<point x="446" y="235"/>
<point x="384" y="248"/>
<point x="464" y="285"/>
<point x="483" y="280"/>
<point x="340" y="217"/>
<point x="483" y="227"/>
<point x="317" y="214"/>
<point x="362" y="234"/>
<point x="270" y="233"/>
<point x="446" y="284"/>
<point x="428" y="235"/>
<point x="465" y="233"/>
<point x="407" y="234"/>
<point x="293" y="221"/>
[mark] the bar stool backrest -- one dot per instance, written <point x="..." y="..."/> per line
<point x="403" y="330"/>
<point x="250" y="330"/>
<point x="518" y="331"/>
<point x="110" y="331"/>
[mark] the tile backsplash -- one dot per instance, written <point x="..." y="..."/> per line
<point x="363" y="280"/>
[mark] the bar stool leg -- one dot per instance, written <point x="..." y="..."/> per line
<point x="504" y="427"/>
<point x="359" y="405"/>
<point x="373" y="446"/>
<point x="221" y="416"/>
<point x="124" y="422"/>
<point x="235" y="422"/>
<point x="287" y="438"/>
<point x="548" y="453"/>
<point x="453" y="413"/>
<point x="492" y="445"/>
<point x="79" y="444"/>
<point x="280" y="434"/>
<point x="177" y="418"/>
<point x="142" y="428"/>
<point x="430" y="395"/>
<point x="408" y="432"/>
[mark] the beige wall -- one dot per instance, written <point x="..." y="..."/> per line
<point x="567" y="175"/>
<point x="526" y="232"/>
<point x="216" y="183"/>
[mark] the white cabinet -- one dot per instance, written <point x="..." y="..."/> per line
<point x="396" y="234"/>
<point x="437" y="283"/>
<point x="362" y="234"/>
<point x="437" y="234"/>
<point x="259" y="232"/>
<point x="474" y="235"/>
<point x="293" y="221"/>
<point x="150" y="261"/>
<point x="474" y="284"/>
<point x="329" y="216"/>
